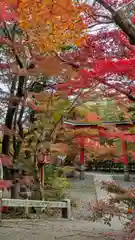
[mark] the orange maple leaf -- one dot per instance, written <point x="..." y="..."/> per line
<point x="46" y="22"/>
<point x="92" y="117"/>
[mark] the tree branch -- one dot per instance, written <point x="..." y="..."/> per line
<point x="68" y="111"/>
<point x="121" y="20"/>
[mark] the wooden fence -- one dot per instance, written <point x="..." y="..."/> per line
<point x="64" y="205"/>
<point x="109" y="166"/>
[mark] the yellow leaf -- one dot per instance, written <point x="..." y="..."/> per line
<point x="46" y="22"/>
<point x="59" y="147"/>
<point x="80" y="41"/>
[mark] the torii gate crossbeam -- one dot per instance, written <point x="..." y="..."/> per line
<point x="125" y="124"/>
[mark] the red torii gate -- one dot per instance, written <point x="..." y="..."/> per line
<point x="102" y="130"/>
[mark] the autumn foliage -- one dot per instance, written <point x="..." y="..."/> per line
<point x="52" y="24"/>
<point x="47" y="26"/>
<point x="103" y="61"/>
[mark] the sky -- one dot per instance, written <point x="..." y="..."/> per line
<point x="90" y="2"/>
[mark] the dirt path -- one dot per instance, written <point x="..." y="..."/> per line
<point x="51" y="230"/>
<point x="58" y="229"/>
<point x="83" y="193"/>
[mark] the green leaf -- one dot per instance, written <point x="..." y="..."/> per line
<point x="62" y="104"/>
<point x="56" y="116"/>
<point x="132" y="130"/>
<point x="66" y="47"/>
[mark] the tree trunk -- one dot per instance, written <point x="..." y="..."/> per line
<point x="39" y="191"/>
<point x="17" y="143"/>
<point x="121" y="19"/>
<point x="125" y="24"/>
<point x="15" y="190"/>
<point x="126" y="173"/>
<point x="8" y="124"/>
<point x="12" y="107"/>
<point x="82" y="162"/>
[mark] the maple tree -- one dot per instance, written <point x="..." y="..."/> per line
<point x="19" y="53"/>
<point x="122" y="200"/>
<point x="117" y="68"/>
<point x="105" y="63"/>
<point x="102" y="69"/>
<point x="19" y="69"/>
<point x="94" y="66"/>
<point x="87" y="68"/>
<point x="48" y="24"/>
<point x="57" y="61"/>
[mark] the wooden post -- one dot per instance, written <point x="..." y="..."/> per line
<point x="1" y="171"/>
<point x="1" y="192"/>
<point x="41" y="161"/>
<point x="28" y="196"/>
<point x="125" y="156"/>
<point x="42" y="178"/>
<point x="42" y="173"/>
<point x="27" y="208"/>
<point x="0" y="205"/>
<point x="66" y="212"/>
<point x="82" y="164"/>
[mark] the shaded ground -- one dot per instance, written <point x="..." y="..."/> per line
<point x="79" y="229"/>
<point x="50" y="230"/>
<point x="83" y="193"/>
<point x="119" y="178"/>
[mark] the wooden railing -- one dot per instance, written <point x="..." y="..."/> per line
<point x="64" y="205"/>
<point x="109" y="166"/>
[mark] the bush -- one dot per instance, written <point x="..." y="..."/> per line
<point x="68" y="171"/>
<point x="55" y="183"/>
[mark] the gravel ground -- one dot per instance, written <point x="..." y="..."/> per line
<point x="58" y="229"/>
<point x="83" y="193"/>
<point x="119" y="178"/>
<point x="51" y="230"/>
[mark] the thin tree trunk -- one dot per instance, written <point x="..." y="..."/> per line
<point x="17" y="143"/>
<point x="39" y="191"/>
<point x="9" y="120"/>
<point x="121" y="19"/>
<point x="8" y="124"/>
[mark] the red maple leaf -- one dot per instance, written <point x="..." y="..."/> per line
<point x="5" y="160"/>
<point x="5" y="14"/>
<point x="133" y="19"/>
<point x="133" y="155"/>
<point x="5" y="184"/>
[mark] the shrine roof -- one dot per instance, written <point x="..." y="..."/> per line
<point x="88" y="124"/>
